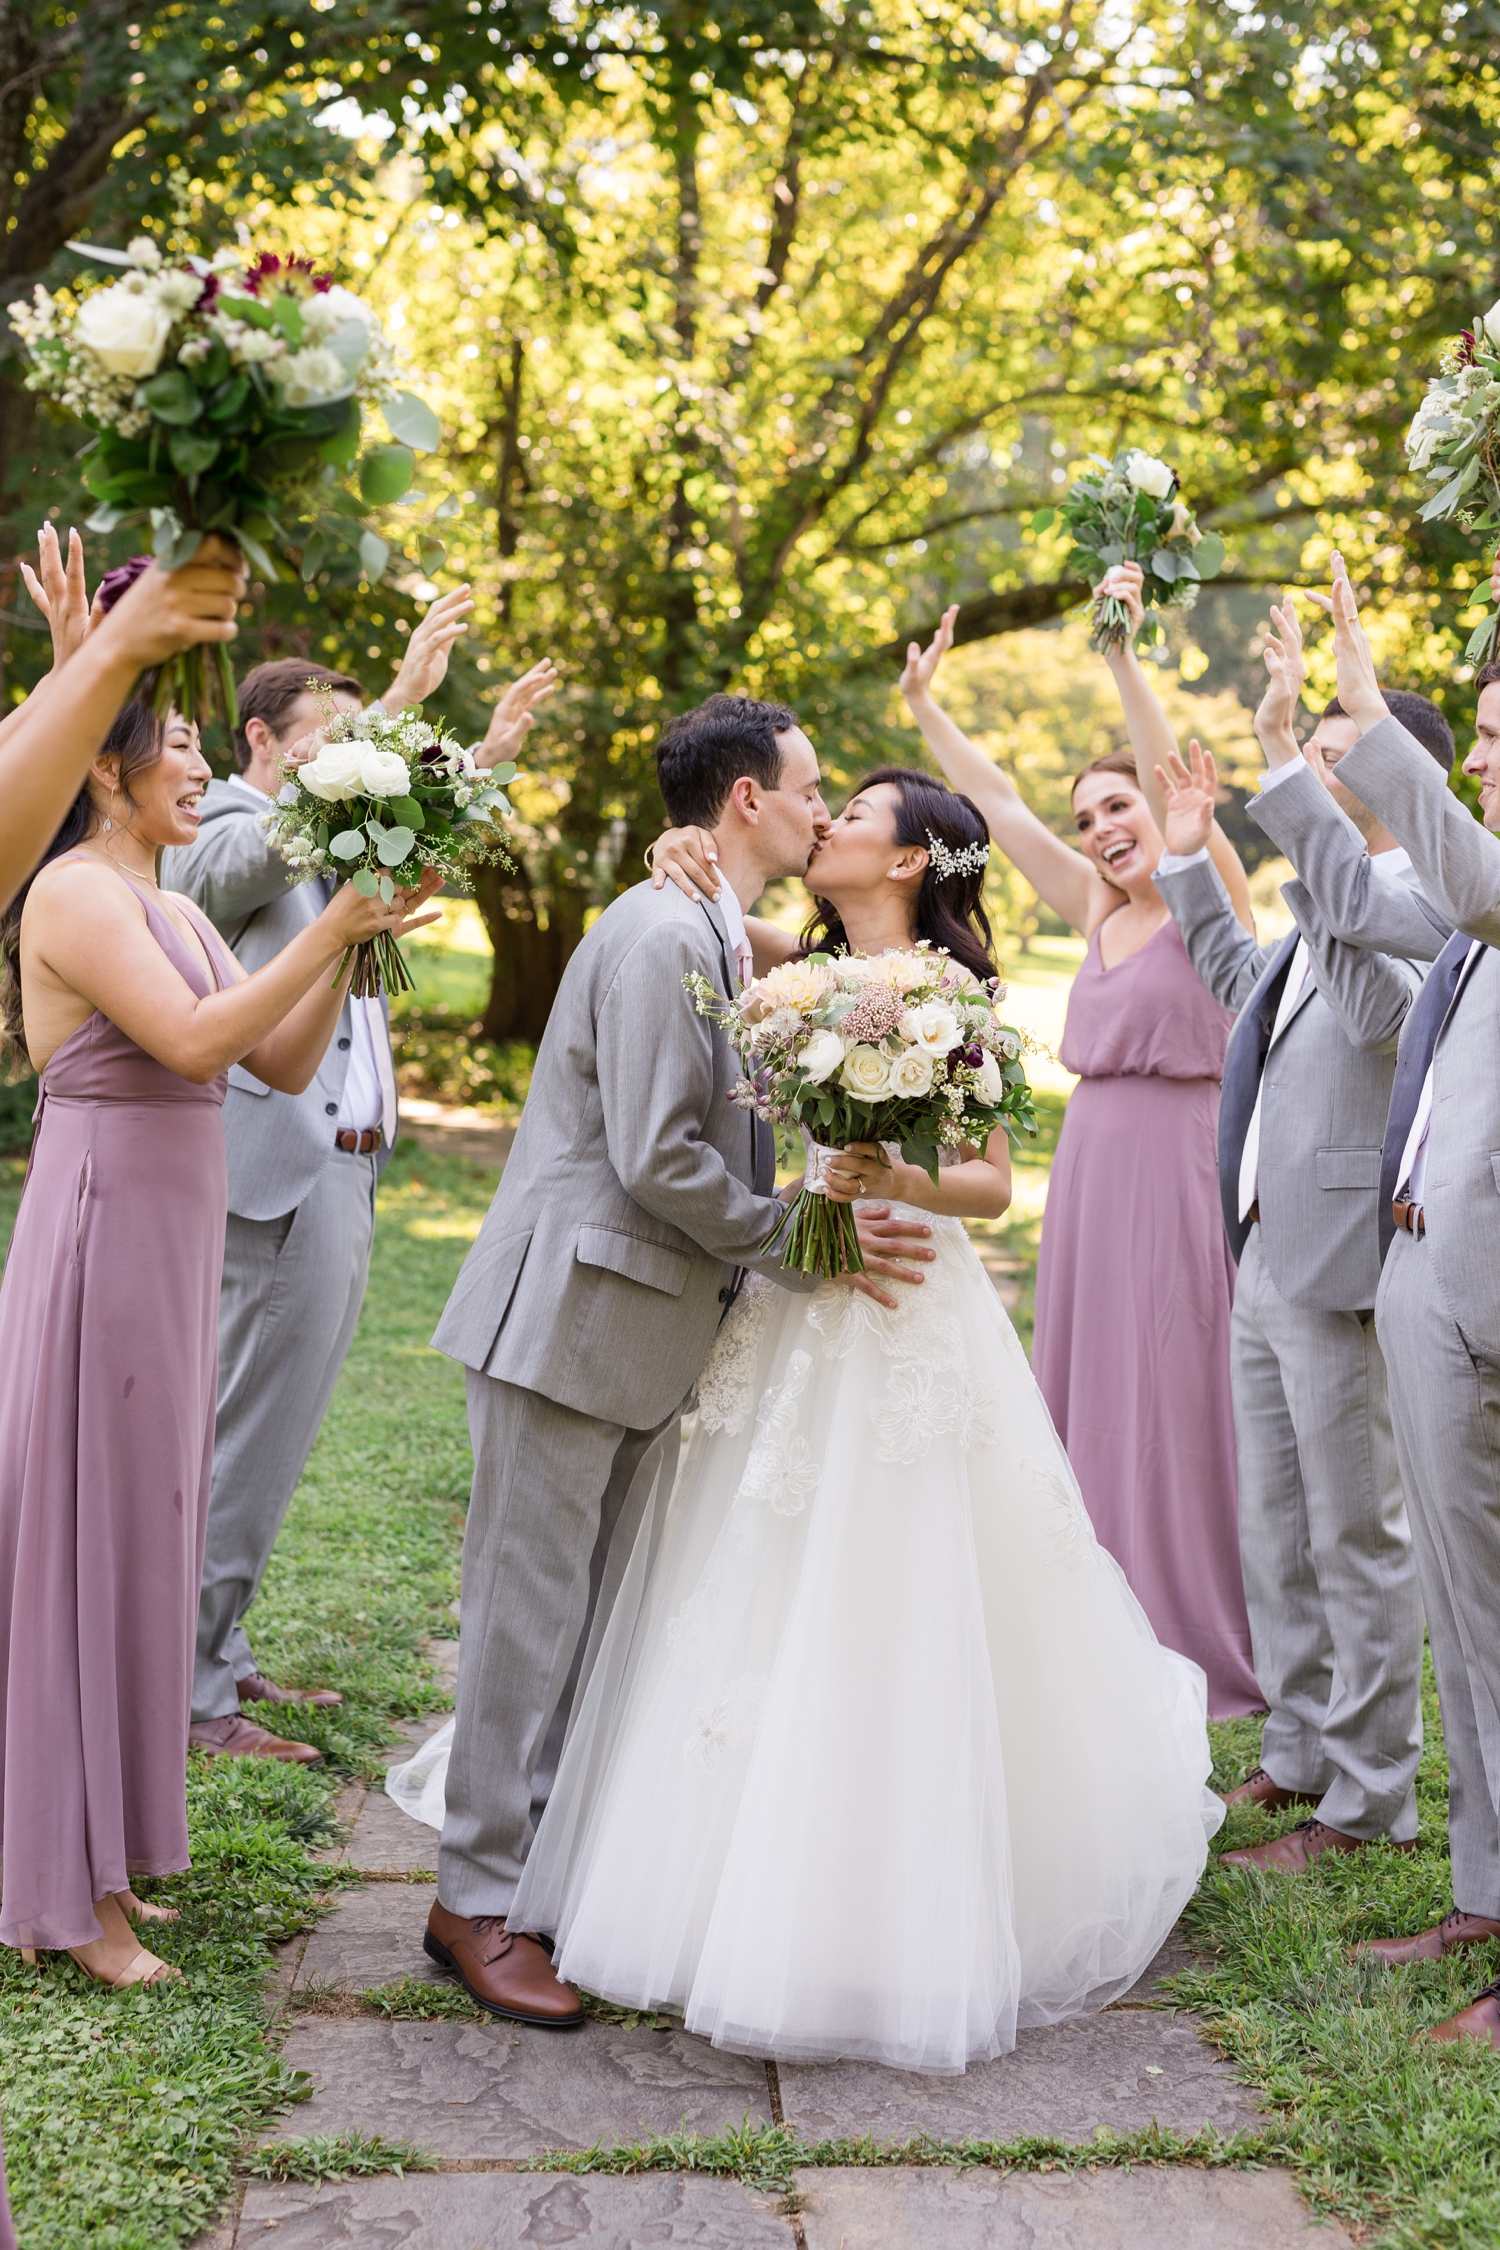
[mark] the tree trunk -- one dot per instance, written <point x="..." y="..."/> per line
<point x="529" y="959"/>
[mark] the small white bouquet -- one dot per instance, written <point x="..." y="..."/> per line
<point x="902" y="1047"/>
<point x="1454" y="442"/>
<point x="1129" y="510"/>
<point x="378" y="799"/>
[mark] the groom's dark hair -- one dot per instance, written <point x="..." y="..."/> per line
<point x="1419" y="715"/>
<point x="703" y="753"/>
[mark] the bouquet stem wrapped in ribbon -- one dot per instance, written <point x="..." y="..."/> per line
<point x="376" y="801"/>
<point x="900" y="1047"/>
<point x="1128" y="510"/>
<point x="227" y="396"/>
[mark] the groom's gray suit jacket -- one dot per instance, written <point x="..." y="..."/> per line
<point x="1325" y="1088"/>
<point x="635" y="1186"/>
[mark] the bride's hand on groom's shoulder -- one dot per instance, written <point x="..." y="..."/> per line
<point x="689" y="858"/>
<point x="894" y="1250"/>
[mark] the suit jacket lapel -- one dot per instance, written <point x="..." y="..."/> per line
<point x="1244" y="1062"/>
<point x="1434" y="1006"/>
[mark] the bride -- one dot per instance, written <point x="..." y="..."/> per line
<point x="878" y="1755"/>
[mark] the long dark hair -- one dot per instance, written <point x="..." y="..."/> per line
<point x="136" y="739"/>
<point x="950" y="908"/>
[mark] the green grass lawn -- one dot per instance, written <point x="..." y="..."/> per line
<point x="125" y="2115"/>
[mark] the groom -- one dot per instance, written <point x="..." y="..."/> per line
<point x="586" y="1308"/>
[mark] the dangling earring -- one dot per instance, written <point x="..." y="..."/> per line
<point x="108" y="822"/>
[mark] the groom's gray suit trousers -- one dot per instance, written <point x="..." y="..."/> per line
<point x="1330" y="1576"/>
<point x="556" y="1503"/>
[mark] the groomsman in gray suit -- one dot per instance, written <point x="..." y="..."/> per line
<point x="302" y="1174"/>
<point x="1438" y="1309"/>
<point x="635" y="1196"/>
<point x="1330" y="1582"/>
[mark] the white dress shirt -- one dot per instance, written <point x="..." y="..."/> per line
<point x="1291" y="992"/>
<point x="1413" y="1173"/>
<point x="369" y="1098"/>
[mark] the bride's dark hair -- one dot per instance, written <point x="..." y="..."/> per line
<point x="135" y="739"/>
<point x="950" y="908"/>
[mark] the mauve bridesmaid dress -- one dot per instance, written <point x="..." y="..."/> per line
<point x="108" y="1360"/>
<point x="1133" y="1296"/>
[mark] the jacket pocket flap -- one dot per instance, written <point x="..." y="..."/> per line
<point x="1495" y="1170"/>
<point x="238" y="1076"/>
<point x="649" y="1262"/>
<point x="1348" y="1167"/>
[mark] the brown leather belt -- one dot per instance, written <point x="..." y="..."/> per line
<point x="1409" y="1215"/>
<point x="357" y="1144"/>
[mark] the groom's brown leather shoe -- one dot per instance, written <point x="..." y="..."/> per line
<point x="1455" y="1929"/>
<point x="1480" y="2020"/>
<point x="1259" y="1789"/>
<point x="241" y="1738"/>
<point x="256" y="1688"/>
<point x="1307" y="1842"/>
<point x="508" y="1973"/>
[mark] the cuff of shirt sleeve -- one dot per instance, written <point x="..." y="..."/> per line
<point x="1275" y="774"/>
<point x="1172" y="863"/>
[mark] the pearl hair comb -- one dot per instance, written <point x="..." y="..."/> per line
<point x="970" y="861"/>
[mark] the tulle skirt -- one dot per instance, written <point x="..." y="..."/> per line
<point x="878" y="1755"/>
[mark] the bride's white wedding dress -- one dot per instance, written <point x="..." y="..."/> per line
<point x="879" y="1755"/>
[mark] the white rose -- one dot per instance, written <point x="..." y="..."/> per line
<point x="866" y="1073"/>
<point x="382" y="773"/>
<point x="911" y="1073"/>
<point x="1487" y="326"/>
<point x="822" y="1056"/>
<point x="932" y="1027"/>
<point x="1147" y="474"/>
<point x="313" y="376"/>
<point x="991" y="1086"/>
<point x="335" y="773"/>
<point x="327" y="307"/>
<point x="124" y="329"/>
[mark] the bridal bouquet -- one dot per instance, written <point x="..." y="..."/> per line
<point x="1454" y="442"/>
<point x="378" y="799"/>
<point x="902" y="1047"/>
<point x="227" y="395"/>
<point x="1127" y="510"/>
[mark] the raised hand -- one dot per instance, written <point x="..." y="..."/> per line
<point x="1288" y="674"/>
<point x="425" y="664"/>
<point x="688" y="857"/>
<point x="1359" y="682"/>
<point x="166" y="611"/>
<point x="514" y="715"/>
<point x="60" y="592"/>
<point x="1123" y="584"/>
<point x="1191" y="793"/>
<point x="922" y="663"/>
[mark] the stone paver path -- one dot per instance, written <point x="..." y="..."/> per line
<point x="484" y="2097"/>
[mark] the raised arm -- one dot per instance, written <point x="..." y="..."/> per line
<point x="1456" y="859"/>
<point x="46" y="753"/>
<point x="1369" y="994"/>
<point x="1356" y="905"/>
<point x="1152" y="737"/>
<point x="1056" y="872"/>
<point x="1221" y="949"/>
<point x="229" y="872"/>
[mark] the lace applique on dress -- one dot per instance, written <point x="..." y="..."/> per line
<point x="780" y="1469"/>
<point x="920" y="1405"/>
<point x="1069" y="1533"/>
<point x="930" y="1392"/>
<point x="716" y="1725"/>
<point x="726" y="1387"/>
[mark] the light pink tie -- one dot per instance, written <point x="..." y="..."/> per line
<point x="744" y="962"/>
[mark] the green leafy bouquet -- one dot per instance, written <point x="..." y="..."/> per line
<point x="379" y="799"/>
<point x="227" y="396"/>
<point x="1454" y="442"/>
<point x="898" y="1046"/>
<point x="1127" y="510"/>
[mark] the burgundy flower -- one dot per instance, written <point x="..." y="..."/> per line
<point x="114" y="583"/>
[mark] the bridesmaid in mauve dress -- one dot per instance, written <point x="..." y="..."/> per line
<point x="1135" y="1281"/>
<point x="108" y="1331"/>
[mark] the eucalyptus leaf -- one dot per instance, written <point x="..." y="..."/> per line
<point x="1162" y="563"/>
<point x="182" y="549"/>
<point x="374" y="554"/>
<point x="314" y="555"/>
<point x="1208" y="555"/>
<point x="349" y="343"/>
<point x="412" y="422"/>
<point x="365" y="883"/>
<point x="348" y="844"/>
<point x="173" y="397"/>
<point x="193" y="451"/>
<point x="387" y="889"/>
<point x="408" y="812"/>
<point x="385" y="472"/>
<point x="1044" y="519"/>
<point x="1481" y="642"/>
<point x="393" y="845"/>
<point x="1111" y="555"/>
<point x="104" y="518"/>
<point x="256" y="556"/>
<point x="503" y="773"/>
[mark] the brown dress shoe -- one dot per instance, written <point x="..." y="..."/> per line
<point x="1308" y="1841"/>
<point x="256" y="1688"/>
<point x="1480" y="2020"/>
<point x="507" y="1973"/>
<point x="1455" y="1929"/>
<point x="241" y="1738"/>
<point x="1259" y="1789"/>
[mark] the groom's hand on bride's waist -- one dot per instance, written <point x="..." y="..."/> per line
<point x="895" y="1250"/>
